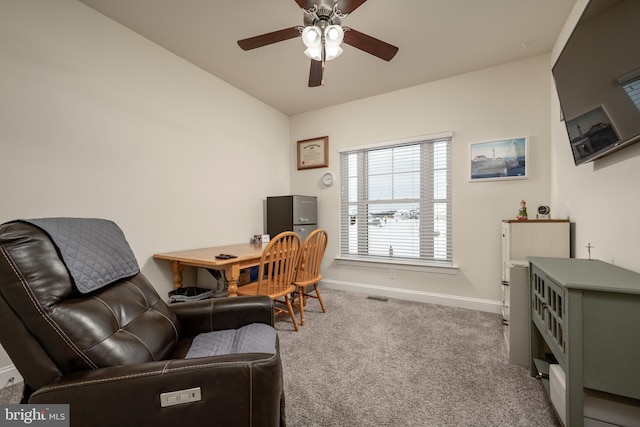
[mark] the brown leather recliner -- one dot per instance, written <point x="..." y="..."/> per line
<point x="112" y="352"/>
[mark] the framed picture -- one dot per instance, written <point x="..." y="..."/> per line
<point x="505" y="159"/>
<point x="313" y="153"/>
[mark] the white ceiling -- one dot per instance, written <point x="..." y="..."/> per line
<point x="436" y="38"/>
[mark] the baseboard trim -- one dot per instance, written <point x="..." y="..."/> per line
<point x="9" y="375"/>
<point x="489" y="306"/>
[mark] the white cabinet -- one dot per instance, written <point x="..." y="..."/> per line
<point x="534" y="237"/>
<point x="522" y="239"/>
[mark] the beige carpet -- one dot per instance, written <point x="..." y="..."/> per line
<point x="11" y="394"/>
<point x="398" y="363"/>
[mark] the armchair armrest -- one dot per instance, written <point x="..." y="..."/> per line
<point x="240" y="389"/>
<point x="223" y="313"/>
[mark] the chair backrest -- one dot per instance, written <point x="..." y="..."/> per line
<point x="278" y="264"/>
<point x="313" y="249"/>
<point x="49" y="328"/>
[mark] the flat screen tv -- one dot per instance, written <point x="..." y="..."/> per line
<point x="597" y="76"/>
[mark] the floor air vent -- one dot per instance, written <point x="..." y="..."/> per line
<point x="383" y="299"/>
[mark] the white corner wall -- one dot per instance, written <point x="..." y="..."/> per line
<point x="96" y="121"/>
<point x="599" y="197"/>
<point x="506" y="101"/>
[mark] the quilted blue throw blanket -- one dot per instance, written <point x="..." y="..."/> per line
<point x="94" y="251"/>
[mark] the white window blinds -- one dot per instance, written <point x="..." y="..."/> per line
<point x="396" y="201"/>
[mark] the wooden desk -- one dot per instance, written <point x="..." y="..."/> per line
<point x="248" y="255"/>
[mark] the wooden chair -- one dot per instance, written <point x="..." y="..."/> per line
<point x="277" y="268"/>
<point x="308" y="272"/>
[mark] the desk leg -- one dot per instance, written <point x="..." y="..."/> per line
<point x="233" y="274"/>
<point x="177" y="274"/>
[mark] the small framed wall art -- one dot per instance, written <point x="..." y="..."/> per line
<point x="496" y="160"/>
<point x="313" y="153"/>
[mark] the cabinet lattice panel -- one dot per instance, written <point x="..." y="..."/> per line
<point x="548" y="305"/>
<point x="555" y="324"/>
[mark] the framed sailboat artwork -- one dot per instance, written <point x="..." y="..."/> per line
<point x="498" y="160"/>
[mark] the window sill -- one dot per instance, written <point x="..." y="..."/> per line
<point x="423" y="267"/>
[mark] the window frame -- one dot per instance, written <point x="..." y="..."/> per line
<point x="426" y="178"/>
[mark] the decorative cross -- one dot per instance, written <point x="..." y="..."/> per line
<point x="589" y="249"/>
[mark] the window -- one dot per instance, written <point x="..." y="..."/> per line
<point x="396" y="201"/>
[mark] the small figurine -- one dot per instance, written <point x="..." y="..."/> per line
<point x="522" y="213"/>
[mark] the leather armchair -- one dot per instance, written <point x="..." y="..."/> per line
<point x="111" y="353"/>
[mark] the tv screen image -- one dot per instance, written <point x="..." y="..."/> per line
<point x="597" y="77"/>
<point x="591" y="133"/>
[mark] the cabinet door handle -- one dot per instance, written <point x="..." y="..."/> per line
<point x="505" y="322"/>
<point x="505" y="283"/>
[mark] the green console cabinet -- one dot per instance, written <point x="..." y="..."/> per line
<point x="587" y="314"/>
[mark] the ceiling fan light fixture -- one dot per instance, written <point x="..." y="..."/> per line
<point x="334" y="34"/>
<point x="314" y="53"/>
<point x="312" y="37"/>
<point x="322" y="34"/>
<point x="332" y="52"/>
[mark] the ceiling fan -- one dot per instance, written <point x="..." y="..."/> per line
<point x="322" y="34"/>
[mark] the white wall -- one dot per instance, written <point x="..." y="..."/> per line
<point x="96" y="121"/>
<point x="506" y="101"/>
<point x="599" y="197"/>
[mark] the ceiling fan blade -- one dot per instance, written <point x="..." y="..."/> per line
<point x="305" y="4"/>
<point x="316" y="73"/>
<point x="348" y="6"/>
<point x="269" y="38"/>
<point x="370" y="44"/>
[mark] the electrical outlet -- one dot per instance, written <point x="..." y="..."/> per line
<point x="392" y="274"/>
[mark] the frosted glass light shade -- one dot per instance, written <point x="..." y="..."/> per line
<point x="334" y="35"/>
<point x="332" y="52"/>
<point x="312" y="37"/>
<point x="314" y="53"/>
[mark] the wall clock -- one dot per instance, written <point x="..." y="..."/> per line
<point x="328" y="178"/>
